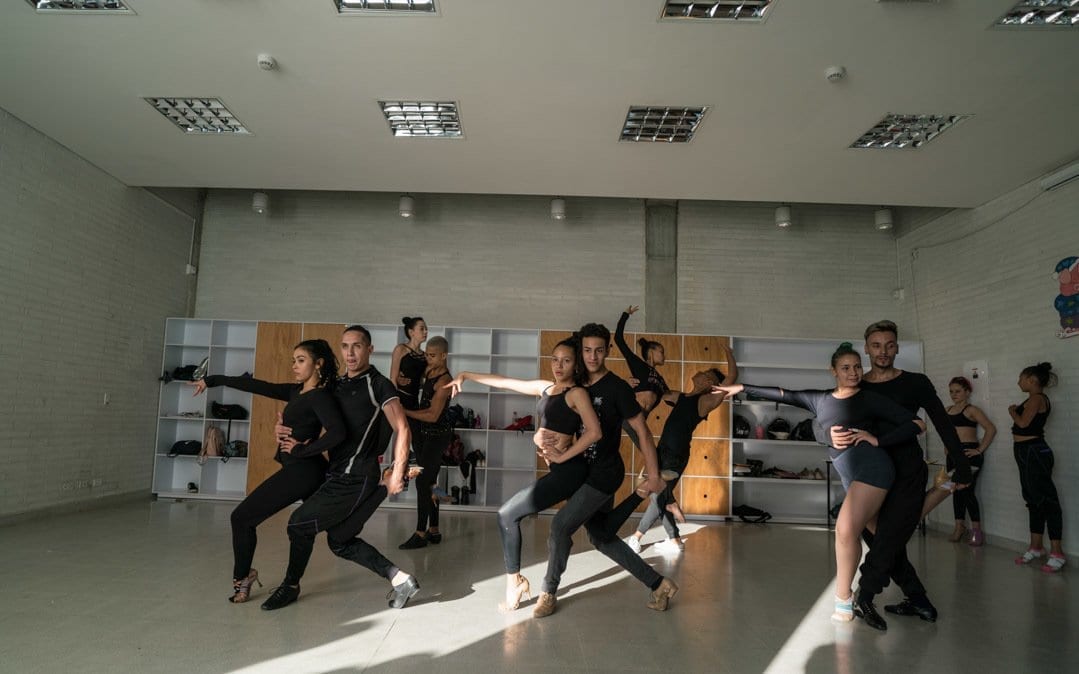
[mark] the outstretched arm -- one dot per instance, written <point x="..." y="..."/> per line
<point x="732" y="365"/>
<point x="637" y="366"/>
<point x="531" y="387"/>
<point x="249" y="384"/>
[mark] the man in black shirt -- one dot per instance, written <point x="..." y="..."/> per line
<point x="353" y="489"/>
<point x="902" y="508"/>
<point x="614" y="402"/>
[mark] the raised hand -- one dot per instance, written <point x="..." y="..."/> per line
<point x="632" y="309"/>
<point x="199" y="386"/>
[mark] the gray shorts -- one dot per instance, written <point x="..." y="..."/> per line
<point x="864" y="463"/>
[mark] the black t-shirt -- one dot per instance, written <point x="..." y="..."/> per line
<point x="914" y="391"/>
<point x="362" y="399"/>
<point x="613" y="401"/>
<point x="684" y="418"/>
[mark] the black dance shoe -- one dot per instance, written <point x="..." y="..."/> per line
<point x="865" y="610"/>
<point x="416" y="541"/>
<point x="918" y="606"/>
<point x="434" y="538"/>
<point x="400" y="594"/>
<point x="283" y="596"/>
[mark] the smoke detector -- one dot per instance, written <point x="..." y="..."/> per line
<point x="267" y="62"/>
<point x="835" y="73"/>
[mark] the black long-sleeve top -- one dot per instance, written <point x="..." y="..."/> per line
<point x="306" y="413"/>
<point x="914" y="391"/>
<point x="865" y="410"/>
<point x="648" y="378"/>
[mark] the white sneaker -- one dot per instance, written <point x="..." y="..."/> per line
<point x="634" y="543"/>
<point x="670" y="545"/>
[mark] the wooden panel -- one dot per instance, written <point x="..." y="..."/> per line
<point x="629" y="452"/>
<point x="548" y="339"/>
<point x="709" y="458"/>
<point x="658" y="417"/>
<point x="702" y="348"/>
<point x="706" y="496"/>
<point x="273" y="362"/>
<point x="331" y="332"/>
<point x="717" y="425"/>
<point x="672" y="344"/>
<point x="619" y="367"/>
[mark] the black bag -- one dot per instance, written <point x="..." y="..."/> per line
<point x="803" y="431"/>
<point x="751" y="514"/>
<point x="185" y="373"/>
<point x="234" y="448"/>
<point x="185" y="448"/>
<point x="231" y="412"/>
<point x="456" y="417"/>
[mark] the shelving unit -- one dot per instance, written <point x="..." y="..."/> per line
<point x="230" y="346"/>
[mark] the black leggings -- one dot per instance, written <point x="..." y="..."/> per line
<point x="551" y="489"/>
<point x="1035" y="460"/>
<point x="429" y="456"/>
<point x="610" y="522"/>
<point x="296" y="481"/>
<point x="896" y="522"/>
<point x="966" y="500"/>
<point x="340" y="507"/>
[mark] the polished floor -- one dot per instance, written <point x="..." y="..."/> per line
<point x="142" y="588"/>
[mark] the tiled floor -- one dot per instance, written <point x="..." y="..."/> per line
<point x="142" y="588"/>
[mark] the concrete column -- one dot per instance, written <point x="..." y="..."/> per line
<point x="661" y="266"/>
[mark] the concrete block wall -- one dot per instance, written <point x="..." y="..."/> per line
<point x="89" y="269"/>
<point x="979" y="285"/>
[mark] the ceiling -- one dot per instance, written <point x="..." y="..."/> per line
<point x="543" y="89"/>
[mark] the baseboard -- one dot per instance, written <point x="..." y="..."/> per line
<point x="75" y="507"/>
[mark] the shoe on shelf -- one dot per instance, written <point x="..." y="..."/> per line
<point x="283" y="596"/>
<point x="400" y="594"/>
<point x="817" y="474"/>
<point x="660" y="598"/>
<point x="864" y="609"/>
<point x="241" y="589"/>
<point x="200" y="371"/>
<point x="1029" y="556"/>
<point x="977" y="538"/>
<point x="1055" y="564"/>
<point x="434" y="537"/>
<point x="192" y="488"/>
<point x="634" y="543"/>
<point x="415" y="541"/>
<point x="514" y="595"/>
<point x="958" y="533"/>
<point x="669" y="545"/>
<point x="844" y="609"/>
<point x="919" y="606"/>
<point x="545" y="606"/>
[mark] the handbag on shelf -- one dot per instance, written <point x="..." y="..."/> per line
<point x="185" y="448"/>
<point x="231" y="412"/>
<point x="213" y="441"/>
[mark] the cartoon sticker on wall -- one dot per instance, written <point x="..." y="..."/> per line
<point x="1067" y="302"/>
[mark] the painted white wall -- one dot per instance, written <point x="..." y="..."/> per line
<point x="980" y="286"/>
<point x="89" y="269"/>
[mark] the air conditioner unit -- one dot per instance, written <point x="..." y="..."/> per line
<point x="1058" y="178"/>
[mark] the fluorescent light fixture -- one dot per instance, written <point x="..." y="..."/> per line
<point x="661" y="124"/>
<point x="882" y="218"/>
<point x="422" y="119"/>
<point x="558" y="208"/>
<point x="415" y="7"/>
<point x="906" y="132"/>
<point x="783" y="217"/>
<point x="406" y="206"/>
<point x="1042" y="14"/>
<point x="199" y="115"/>
<point x="752" y="11"/>
<point x="67" y="6"/>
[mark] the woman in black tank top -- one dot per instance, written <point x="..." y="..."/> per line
<point x="409" y="362"/>
<point x="565" y="409"/>
<point x="967" y="418"/>
<point x="1035" y="460"/>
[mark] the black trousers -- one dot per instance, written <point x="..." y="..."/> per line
<point x="966" y="500"/>
<point x="896" y="522"/>
<point x="340" y="507"/>
<point x="549" y="490"/>
<point x="429" y="455"/>
<point x="610" y="522"/>
<point x="296" y="481"/>
<point x="1035" y="461"/>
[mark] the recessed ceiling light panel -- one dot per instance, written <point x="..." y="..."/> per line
<point x="415" y="7"/>
<point x="199" y="115"/>
<point x="661" y="124"/>
<point x="104" y="6"/>
<point x="422" y="119"/>
<point x="753" y="11"/>
<point x="1042" y="14"/>
<point x="906" y="132"/>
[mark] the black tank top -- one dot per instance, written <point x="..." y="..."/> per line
<point x="1037" y="424"/>
<point x="413" y="365"/>
<point x="427" y="394"/>
<point x="960" y="419"/>
<point x="678" y="429"/>
<point x="554" y="414"/>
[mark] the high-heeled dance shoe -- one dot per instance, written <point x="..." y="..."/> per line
<point x="513" y="597"/>
<point x="958" y="533"/>
<point x="545" y="605"/>
<point x="434" y="537"/>
<point x="977" y="538"/>
<point x="241" y="589"/>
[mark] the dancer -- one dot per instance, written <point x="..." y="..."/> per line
<point x="435" y="434"/>
<point x="865" y="469"/>
<point x="310" y="409"/>
<point x="689" y="410"/>
<point x="1035" y="460"/>
<point x="967" y="418"/>
<point x="564" y="413"/>
<point x="352" y="490"/>
<point x="650" y="383"/>
<point x="407" y="366"/>
<point x="613" y="401"/>
<point x="901" y="512"/>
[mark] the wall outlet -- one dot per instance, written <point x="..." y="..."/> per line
<point x="106" y="399"/>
